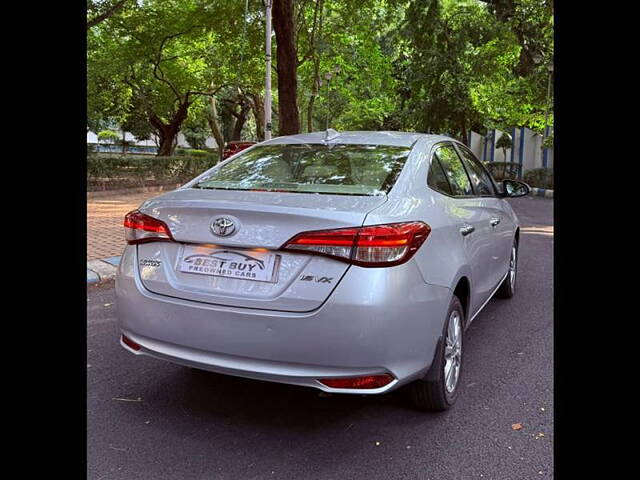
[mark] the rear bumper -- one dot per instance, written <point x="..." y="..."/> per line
<point x="376" y="321"/>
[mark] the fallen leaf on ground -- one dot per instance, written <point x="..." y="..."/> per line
<point x="129" y="399"/>
<point x="108" y="304"/>
<point x="540" y="435"/>
<point x="516" y="426"/>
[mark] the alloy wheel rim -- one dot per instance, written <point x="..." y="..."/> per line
<point x="512" y="267"/>
<point x="453" y="352"/>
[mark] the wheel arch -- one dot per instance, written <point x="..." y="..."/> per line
<point x="462" y="290"/>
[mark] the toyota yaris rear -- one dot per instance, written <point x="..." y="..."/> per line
<point x="302" y="260"/>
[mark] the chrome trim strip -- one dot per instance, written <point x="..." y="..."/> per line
<point x="487" y="301"/>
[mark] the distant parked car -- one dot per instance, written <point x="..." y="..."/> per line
<point x="235" y="147"/>
<point x="352" y="263"/>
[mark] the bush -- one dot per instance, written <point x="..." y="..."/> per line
<point x="192" y="152"/>
<point x="108" y="136"/>
<point x="540" y="177"/>
<point x="118" y="171"/>
<point x="501" y="170"/>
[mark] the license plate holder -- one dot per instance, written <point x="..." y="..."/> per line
<point x="256" y="266"/>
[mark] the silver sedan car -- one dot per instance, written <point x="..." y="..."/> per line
<point x="349" y="262"/>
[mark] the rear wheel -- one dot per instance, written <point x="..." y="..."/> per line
<point x="439" y="389"/>
<point x="508" y="287"/>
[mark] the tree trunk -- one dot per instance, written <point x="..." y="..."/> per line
<point x="318" y="16"/>
<point x="241" y="118"/>
<point x="124" y="142"/>
<point x="314" y="94"/>
<point x="257" y="107"/>
<point x="109" y="12"/>
<point x="463" y="130"/>
<point x="310" y="113"/>
<point x="167" y="133"/>
<point x="504" y="171"/>
<point x="214" y="125"/>
<point x="289" y="122"/>
<point x="167" y="136"/>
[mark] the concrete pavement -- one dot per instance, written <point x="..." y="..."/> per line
<point x="105" y="236"/>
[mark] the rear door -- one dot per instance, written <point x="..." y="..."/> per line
<point x="472" y="221"/>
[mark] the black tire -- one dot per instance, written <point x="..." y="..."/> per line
<point x="430" y="393"/>
<point x="508" y="287"/>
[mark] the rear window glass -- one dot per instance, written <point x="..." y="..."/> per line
<point x="311" y="168"/>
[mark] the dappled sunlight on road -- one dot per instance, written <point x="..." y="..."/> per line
<point x="546" y="230"/>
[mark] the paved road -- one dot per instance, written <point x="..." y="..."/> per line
<point x="184" y="424"/>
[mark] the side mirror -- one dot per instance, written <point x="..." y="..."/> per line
<point x="514" y="188"/>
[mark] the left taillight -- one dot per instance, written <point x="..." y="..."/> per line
<point x="141" y="228"/>
<point x="372" y="246"/>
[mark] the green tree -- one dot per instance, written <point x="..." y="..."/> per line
<point x="108" y="136"/>
<point x="345" y="41"/>
<point x="504" y="143"/>
<point x="166" y="56"/>
<point x="464" y="65"/>
<point x="161" y="66"/>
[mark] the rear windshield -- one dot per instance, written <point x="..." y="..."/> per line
<point x="312" y="168"/>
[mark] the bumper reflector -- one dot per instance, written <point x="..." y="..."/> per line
<point x="130" y="343"/>
<point x="368" y="382"/>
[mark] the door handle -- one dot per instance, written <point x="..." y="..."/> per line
<point x="467" y="229"/>
<point x="495" y="221"/>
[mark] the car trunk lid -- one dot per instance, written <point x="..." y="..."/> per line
<point x="246" y="268"/>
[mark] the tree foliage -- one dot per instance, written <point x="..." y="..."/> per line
<point x="444" y="66"/>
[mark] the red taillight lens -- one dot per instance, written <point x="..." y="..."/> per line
<point x="363" y="383"/>
<point x="141" y="228"/>
<point x="373" y="246"/>
<point x="130" y="343"/>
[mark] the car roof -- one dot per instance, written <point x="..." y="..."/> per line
<point x="400" y="139"/>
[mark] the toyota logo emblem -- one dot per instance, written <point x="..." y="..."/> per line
<point x="223" y="227"/>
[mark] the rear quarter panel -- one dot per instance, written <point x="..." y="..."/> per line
<point x="441" y="259"/>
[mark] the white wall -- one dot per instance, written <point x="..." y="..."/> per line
<point x="476" y="144"/>
<point x="531" y="158"/>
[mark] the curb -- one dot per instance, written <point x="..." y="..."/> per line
<point x="102" y="270"/>
<point x="542" y="192"/>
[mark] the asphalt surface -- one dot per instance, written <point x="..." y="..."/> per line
<point x="148" y="419"/>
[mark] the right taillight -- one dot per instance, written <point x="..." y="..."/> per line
<point x="372" y="246"/>
<point x="141" y="228"/>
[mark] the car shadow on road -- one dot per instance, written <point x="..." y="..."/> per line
<point x="212" y="397"/>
